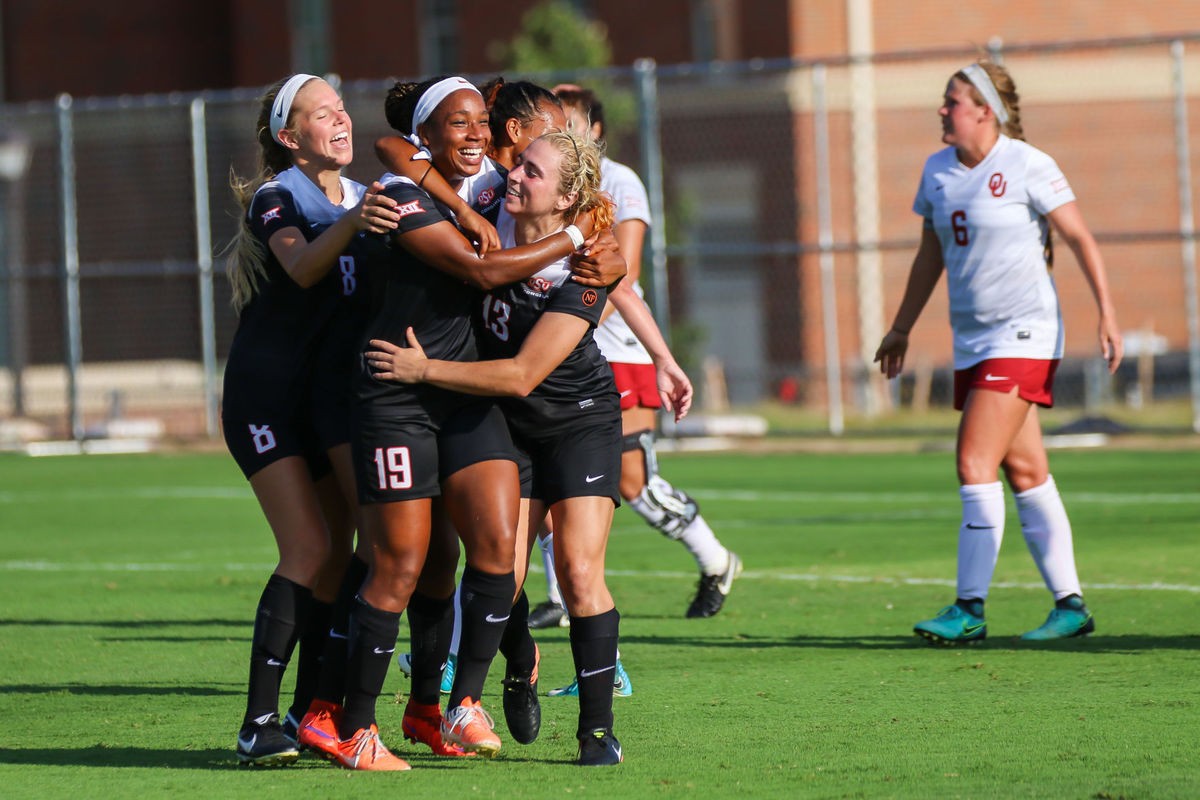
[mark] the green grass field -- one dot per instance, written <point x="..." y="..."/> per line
<point x="129" y="583"/>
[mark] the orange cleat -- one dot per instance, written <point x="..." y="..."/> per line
<point x="364" y="750"/>
<point x="423" y="723"/>
<point x="319" y="729"/>
<point x="471" y="728"/>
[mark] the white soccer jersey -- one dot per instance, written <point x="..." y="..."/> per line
<point x="616" y="340"/>
<point x="990" y="221"/>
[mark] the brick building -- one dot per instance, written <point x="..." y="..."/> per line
<point x="139" y="46"/>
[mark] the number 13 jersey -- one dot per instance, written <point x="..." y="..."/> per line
<point x="990" y="220"/>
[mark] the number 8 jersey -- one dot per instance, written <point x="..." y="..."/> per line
<point x="990" y="220"/>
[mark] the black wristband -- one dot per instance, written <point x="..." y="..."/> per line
<point x="902" y="333"/>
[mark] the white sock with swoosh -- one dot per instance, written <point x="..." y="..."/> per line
<point x="1048" y="535"/>
<point x="979" y="537"/>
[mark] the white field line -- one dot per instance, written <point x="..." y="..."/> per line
<point x="801" y="577"/>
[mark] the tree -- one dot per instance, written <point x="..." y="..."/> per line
<point x="555" y="37"/>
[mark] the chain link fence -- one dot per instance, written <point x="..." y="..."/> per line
<point x="784" y="192"/>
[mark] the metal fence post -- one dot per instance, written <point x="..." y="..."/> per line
<point x="204" y="259"/>
<point x="70" y="243"/>
<point x="646" y="72"/>
<point x="1187" y="228"/>
<point x="833" y="358"/>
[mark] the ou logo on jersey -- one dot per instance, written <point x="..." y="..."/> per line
<point x="997" y="184"/>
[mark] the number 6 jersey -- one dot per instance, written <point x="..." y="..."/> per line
<point x="990" y="220"/>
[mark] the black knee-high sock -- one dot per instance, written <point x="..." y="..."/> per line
<point x="486" y="605"/>
<point x="373" y="635"/>
<point x="594" y="647"/>
<point x="331" y="685"/>
<point x="282" y="611"/>
<point x="431" y="627"/>
<point x="517" y="643"/>
<point x="308" y="662"/>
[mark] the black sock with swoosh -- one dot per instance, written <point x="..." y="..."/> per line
<point x="517" y="643"/>
<point x="282" y="610"/>
<point x="308" y="661"/>
<point x="486" y="601"/>
<point x="431" y="627"/>
<point x="373" y="633"/>
<point x="331" y="686"/>
<point x="594" y="647"/>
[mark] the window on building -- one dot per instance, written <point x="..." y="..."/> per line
<point x="439" y="39"/>
<point x="714" y="28"/>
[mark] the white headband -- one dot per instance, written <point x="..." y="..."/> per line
<point x="283" y="102"/>
<point x="978" y="77"/>
<point x="434" y="96"/>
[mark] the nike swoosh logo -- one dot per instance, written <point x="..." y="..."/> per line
<point x="589" y="673"/>
<point x="590" y="479"/>
<point x="335" y="635"/>
<point x="626" y="393"/>
<point x="271" y="662"/>
<point x="971" y="527"/>
<point x="379" y="651"/>
<point x="490" y="618"/>
<point x="991" y="377"/>
<point x="969" y="629"/>
<point x="247" y="744"/>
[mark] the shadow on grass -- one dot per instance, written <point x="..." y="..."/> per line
<point x="122" y="690"/>
<point x="210" y="759"/>
<point x="1121" y="643"/>
<point x="128" y="624"/>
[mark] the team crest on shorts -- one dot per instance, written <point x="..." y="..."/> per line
<point x="590" y="297"/>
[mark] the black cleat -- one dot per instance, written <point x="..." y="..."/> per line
<point x="548" y="615"/>
<point x="264" y="744"/>
<point x="712" y="590"/>
<point x="522" y="708"/>
<point x="599" y="748"/>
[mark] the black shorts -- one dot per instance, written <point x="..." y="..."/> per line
<point x="475" y="432"/>
<point x="579" y="461"/>
<point x="405" y="453"/>
<point x="395" y="457"/>
<point x="255" y="445"/>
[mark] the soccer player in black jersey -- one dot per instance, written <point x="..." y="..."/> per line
<point x="295" y="275"/>
<point x="413" y="443"/>
<point x="560" y="402"/>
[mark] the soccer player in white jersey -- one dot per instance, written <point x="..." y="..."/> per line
<point x="665" y="508"/>
<point x="988" y="203"/>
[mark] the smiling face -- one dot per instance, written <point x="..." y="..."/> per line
<point x="964" y="120"/>
<point x="533" y="184"/>
<point x="457" y="134"/>
<point x="320" y="130"/>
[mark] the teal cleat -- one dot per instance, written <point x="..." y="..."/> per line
<point x="448" y="674"/>
<point x="1069" y="618"/>
<point x="404" y="662"/>
<point x="952" y="625"/>
<point x="622" y="686"/>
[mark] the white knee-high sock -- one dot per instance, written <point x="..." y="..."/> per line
<point x="1048" y="534"/>
<point x="979" y="537"/>
<point x="546" y="543"/>
<point x="711" y="556"/>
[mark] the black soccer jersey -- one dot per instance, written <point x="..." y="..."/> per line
<point x="405" y="292"/>
<point x="583" y="382"/>
<point x="279" y="330"/>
